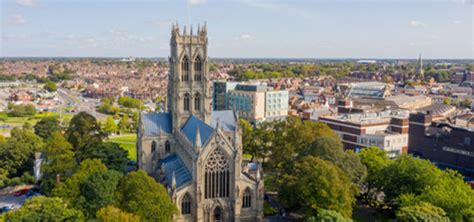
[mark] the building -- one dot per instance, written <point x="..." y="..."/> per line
<point x="221" y="88"/>
<point x="387" y="130"/>
<point x="441" y="142"/>
<point x="195" y="152"/>
<point x="258" y="103"/>
<point x="369" y="89"/>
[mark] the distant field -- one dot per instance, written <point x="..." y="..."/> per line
<point x="127" y="141"/>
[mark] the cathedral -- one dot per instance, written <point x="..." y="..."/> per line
<point x="194" y="152"/>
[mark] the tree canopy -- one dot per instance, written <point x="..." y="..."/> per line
<point x="43" y="208"/>
<point x="141" y="195"/>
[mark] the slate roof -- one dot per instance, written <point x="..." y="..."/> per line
<point x="190" y="130"/>
<point x="174" y="164"/>
<point x="226" y="120"/>
<point x="156" y="123"/>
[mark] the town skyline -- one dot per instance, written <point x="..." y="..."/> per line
<point x="395" y="29"/>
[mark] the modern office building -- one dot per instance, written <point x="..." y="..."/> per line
<point x="221" y="88"/>
<point x="257" y="103"/>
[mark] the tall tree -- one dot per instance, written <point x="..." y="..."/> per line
<point x="141" y="195"/>
<point x="98" y="190"/>
<point x="408" y="175"/>
<point x="83" y="133"/>
<point x="111" y="154"/>
<point x="45" y="209"/>
<point x="316" y="184"/>
<point x="17" y="153"/>
<point x="375" y="160"/>
<point x="110" y="126"/>
<point x="58" y="160"/>
<point x="47" y="126"/>
<point x="69" y="190"/>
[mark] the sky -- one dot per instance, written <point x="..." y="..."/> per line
<point x="438" y="29"/>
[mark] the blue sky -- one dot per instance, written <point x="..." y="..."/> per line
<point x="240" y="28"/>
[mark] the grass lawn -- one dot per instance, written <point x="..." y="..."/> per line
<point x="128" y="142"/>
<point x="19" y="121"/>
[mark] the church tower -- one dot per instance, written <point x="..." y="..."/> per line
<point x="419" y="68"/>
<point x="188" y="89"/>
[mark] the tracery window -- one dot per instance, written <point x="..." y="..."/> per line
<point x="186" y="102"/>
<point x="185" y="69"/>
<point x="153" y="146"/>
<point x="186" y="204"/>
<point x="216" y="175"/>
<point x="247" y="199"/>
<point x="197" y="69"/>
<point x="197" y="102"/>
<point x="167" y="146"/>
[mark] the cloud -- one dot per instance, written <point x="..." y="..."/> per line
<point x="244" y="37"/>
<point x="417" y="24"/>
<point x="271" y="5"/>
<point x="26" y="3"/>
<point x="18" y="19"/>
<point x="197" y="2"/>
<point x="463" y="2"/>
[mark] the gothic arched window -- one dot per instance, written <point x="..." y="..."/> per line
<point x="186" y="204"/>
<point x="185" y="68"/>
<point x="197" y="69"/>
<point x="247" y="199"/>
<point x="153" y="146"/>
<point x="167" y="146"/>
<point x="216" y="176"/>
<point x="197" y="102"/>
<point x="186" y="102"/>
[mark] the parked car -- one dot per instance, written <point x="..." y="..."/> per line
<point x="4" y="209"/>
<point x="21" y="192"/>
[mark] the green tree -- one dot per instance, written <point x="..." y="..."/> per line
<point x="421" y="211"/>
<point x="375" y="160"/>
<point x="408" y="175"/>
<point x="111" y="154"/>
<point x="110" y="126"/>
<point x="113" y="214"/>
<point x="59" y="160"/>
<point x="141" y="195"/>
<point x="50" y="86"/>
<point x="17" y="153"/>
<point x="124" y="124"/>
<point x="45" y="209"/>
<point x="447" y="101"/>
<point x="22" y="110"/>
<point x="451" y="194"/>
<point x="47" y="126"/>
<point x="328" y="216"/>
<point x="331" y="149"/>
<point x="130" y="102"/>
<point x="69" y="190"/>
<point x="316" y="184"/>
<point x="98" y="191"/>
<point x="83" y="133"/>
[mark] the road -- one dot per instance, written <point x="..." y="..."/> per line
<point x="75" y="100"/>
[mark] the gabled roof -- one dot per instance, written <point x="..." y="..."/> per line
<point x="156" y="123"/>
<point x="226" y="119"/>
<point x="190" y="130"/>
<point x="174" y="164"/>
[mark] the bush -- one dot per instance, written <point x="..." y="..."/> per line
<point x="22" y="110"/>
